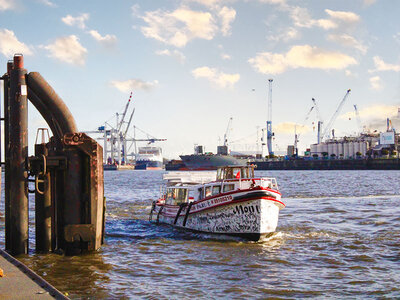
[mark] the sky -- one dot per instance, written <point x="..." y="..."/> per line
<point x="194" y="64"/>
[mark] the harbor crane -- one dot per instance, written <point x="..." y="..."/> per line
<point x="270" y="134"/>
<point x="326" y="132"/>
<point x="360" y="128"/>
<point x="228" y="129"/>
<point x="320" y="122"/>
<point x="297" y="136"/>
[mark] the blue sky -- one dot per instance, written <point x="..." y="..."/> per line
<point x="193" y="64"/>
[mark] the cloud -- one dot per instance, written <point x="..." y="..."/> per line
<point x="179" y="27"/>
<point x="47" y="2"/>
<point x="183" y="25"/>
<point x="380" y="65"/>
<point x="369" y="2"/>
<point x="275" y="2"/>
<point x="133" y="84"/>
<point x="175" y="53"/>
<point x="287" y="35"/>
<point x="215" y="76"/>
<point x="7" y="5"/>
<point x="9" y="44"/>
<point x="290" y="127"/>
<point x="348" y="41"/>
<point x="68" y="49"/>
<point x="227" y="16"/>
<point x="376" y="83"/>
<point x="107" y="40"/>
<point x="76" y="21"/>
<point x="225" y="56"/>
<point x="343" y="16"/>
<point x="377" y="111"/>
<point x="300" y="57"/>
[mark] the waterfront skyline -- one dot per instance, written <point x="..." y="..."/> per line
<point x="193" y="64"/>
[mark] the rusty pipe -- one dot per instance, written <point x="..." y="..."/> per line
<point x="52" y="102"/>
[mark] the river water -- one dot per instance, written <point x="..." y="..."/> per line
<point x="339" y="236"/>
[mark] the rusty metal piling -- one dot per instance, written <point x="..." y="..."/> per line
<point x="18" y="155"/>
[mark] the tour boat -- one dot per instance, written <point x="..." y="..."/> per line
<point x="229" y="201"/>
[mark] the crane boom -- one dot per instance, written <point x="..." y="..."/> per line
<point x="269" y="120"/>
<point x="124" y="113"/>
<point x="360" y="129"/>
<point x="333" y="118"/>
<point x="129" y="123"/>
<point x="227" y="131"/>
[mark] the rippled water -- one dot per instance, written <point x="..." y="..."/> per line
<point x="339" y="236"/>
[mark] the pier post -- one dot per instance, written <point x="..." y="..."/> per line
<point x="18" y="154"/>
<point x="43" y="211"/>
<point x="6" y="90"/>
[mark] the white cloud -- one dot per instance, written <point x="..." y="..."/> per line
<point x="300" y="57"/>
<point x="380" y="65"/>
<point x="107" y="40"/>
<point x="68" y="49"/>
<point x="290" y="34"/>
<point x="177" y="28"/>
<point x="376" y="83"/>
<point x="9" y="44"/>
<point x="175" y="53"/>
<point x="47" y="2"/>
<point x="275" y="2"/>
<point x="225" y="56"/>
<point x="373" y="112"/>
<point x="290" y="128"/>
<point x="227" y="16"/>
<point x="133" y="84"/>
<point x="343" y="16"/>
<point x="369" y="2"/>
<point x="7" y="4"/>
<point x="348" y="41"/>
<point x="76" y="21"/>
<point x="215" y="76"/>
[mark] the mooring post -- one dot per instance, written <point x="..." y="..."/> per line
<point x="18" y="154"/>
<point x="6" y="90"/>
<point x="42" y="202"/>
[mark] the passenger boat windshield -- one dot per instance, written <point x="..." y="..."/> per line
<point x="176" y="195"/>
<point x="235" y="172"/>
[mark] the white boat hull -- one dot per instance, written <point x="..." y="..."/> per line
<point x="250" y="218"/>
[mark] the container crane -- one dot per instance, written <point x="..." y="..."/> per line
<point x="270" y="134"/>
<point x="320" y="122"/>
<point x="297" y="136"/>
<point x="326" y="133"/>
<point x="228" y="129"/>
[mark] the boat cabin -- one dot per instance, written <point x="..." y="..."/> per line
<point x="189" y="187"/>
<point x="235" y="172"/>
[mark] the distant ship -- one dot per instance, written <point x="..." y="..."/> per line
<point x="208" y="161"/>
<point x="149" y="158"/>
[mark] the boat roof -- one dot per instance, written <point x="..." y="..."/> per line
<point x="198" y="177"/>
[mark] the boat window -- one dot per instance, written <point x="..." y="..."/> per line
<point x="236" y="173"/>
<point x="176" y="196"/>
<point x="245" y="173"/>
<point x="220" y="174"/>
<point x="216" y="189"/>
<point x="228" y="173"/>
<point x="228" y="187"/>
<point x="208" y="191"/>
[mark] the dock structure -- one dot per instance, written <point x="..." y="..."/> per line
<point x="17" y="281"/>
<point x="66" y="171"/>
